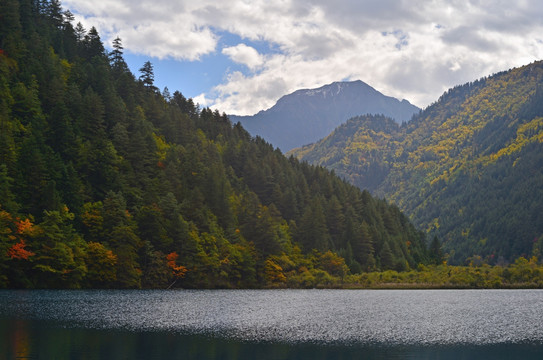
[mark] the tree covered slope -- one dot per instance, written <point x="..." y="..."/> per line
<point x="105" y="181"/>
<point x="468" y="168"/>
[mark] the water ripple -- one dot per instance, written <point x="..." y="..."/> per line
<point x="403" y="317"/>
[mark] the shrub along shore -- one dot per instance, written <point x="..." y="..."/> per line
<point x="522" y="274"/>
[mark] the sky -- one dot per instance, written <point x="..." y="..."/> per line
<point x="241" y="56"/>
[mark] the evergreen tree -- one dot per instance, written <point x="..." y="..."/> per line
<point x="7" y="198"/>
<point x="386" y="257"/>
<point x="362" y="247"/>
<point x="93" y="44"/>
<point x="10" y="28"/>
<point x="80" y="32"/>
<point x="116" y="56"/>
<point x="335" y="220"/>
<point x="147" y="76"/>
<point x="68" y="18"/>
<point x="436" y="254"/>
<point x="53" y="11"/>
<point x="312" y="232"/>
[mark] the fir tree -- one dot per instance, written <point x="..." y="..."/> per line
<point x="147" y="76"/>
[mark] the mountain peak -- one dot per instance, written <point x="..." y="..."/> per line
<point x="334" y="89"/>
<point x="307" y="115"/>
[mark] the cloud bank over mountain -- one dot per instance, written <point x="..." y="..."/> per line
<point x="402" y="48"/>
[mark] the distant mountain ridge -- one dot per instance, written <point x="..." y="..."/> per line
<point x="307" y="115"/>
<point x="469" y="168"/>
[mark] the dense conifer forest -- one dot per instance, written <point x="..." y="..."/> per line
<point x="107" y="181"/>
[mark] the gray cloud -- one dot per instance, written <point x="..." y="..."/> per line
<point x="471" y="38"/>
<point x="407" y="49"/>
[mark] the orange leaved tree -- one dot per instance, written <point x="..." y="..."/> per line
<point x="178" y="271"/>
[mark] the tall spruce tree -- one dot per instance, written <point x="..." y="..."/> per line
<point x="147" y="76"/>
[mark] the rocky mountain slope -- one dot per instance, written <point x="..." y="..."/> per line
<point x="305" y="116"/>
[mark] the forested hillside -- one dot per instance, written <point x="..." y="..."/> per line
<point x="105" y="181"/>
<point x="469" y="168"/>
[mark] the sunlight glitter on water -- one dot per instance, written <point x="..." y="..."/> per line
<point x="392" y="317"/>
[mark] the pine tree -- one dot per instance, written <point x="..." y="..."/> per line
<point x="362" y="247"/>
<point x="54" y="13"/>
<point x="436" y="254"/>
<point x="116" y="56"/>
<point x="147" y="76"/>
<point x="93" y="44"/>
<point x="335" y="220"/>
<point x="386" y="256"/>
<point x="68" y="18"/>
<point x="312" y="232"/>
<point x="10" y="27"/>
<point x="80" y="32"/>
<point x="7" y="199"/>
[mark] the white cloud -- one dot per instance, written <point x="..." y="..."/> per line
<point x="245" y="55"/>
<point x="402" y="48"/>
<point x="158" y="28"/>
<point x="201" y="100"/>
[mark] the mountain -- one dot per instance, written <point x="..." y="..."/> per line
<point x="107" y="182"/>
<point x="306" y="116"/>
<point x="469" y="168"/>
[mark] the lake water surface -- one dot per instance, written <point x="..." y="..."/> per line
<point x="272" y="324"/>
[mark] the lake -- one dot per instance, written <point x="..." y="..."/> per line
<point x="271" y="324"/>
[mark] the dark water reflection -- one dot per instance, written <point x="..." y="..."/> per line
<point x="37" y="339"/>
<point x="247" y="325"/>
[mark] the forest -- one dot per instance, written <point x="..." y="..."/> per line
<point x="468" y="169"/>
<point x="109" y="182"/>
